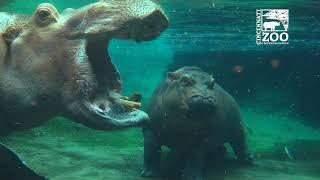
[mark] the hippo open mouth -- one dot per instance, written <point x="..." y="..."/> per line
<point x="55" y="63"/>
<point x="102" y="105"/>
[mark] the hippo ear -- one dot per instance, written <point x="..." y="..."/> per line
<point x="211" y="82"/>
<point x="10" y="35"/>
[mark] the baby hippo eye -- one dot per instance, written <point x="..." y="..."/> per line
<point x="186" y="80"/>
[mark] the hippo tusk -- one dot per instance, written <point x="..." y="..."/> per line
<point x="124" y="101"/>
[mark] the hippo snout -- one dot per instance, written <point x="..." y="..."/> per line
<point x="201" y="104"/>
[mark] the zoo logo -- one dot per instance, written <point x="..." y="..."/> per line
<point x="272" y="26"/>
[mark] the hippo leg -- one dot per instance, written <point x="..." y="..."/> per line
<point x="215" y="154"/>
<point x="194" y="165"/>
<point x="240" y="147"/>
<point x="175" y="161"/>
<point x="152" y="154"/>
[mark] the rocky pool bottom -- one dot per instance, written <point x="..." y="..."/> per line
<point x="285" y="147"/>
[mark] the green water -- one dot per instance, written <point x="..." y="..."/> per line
<point x="279" y="107"/>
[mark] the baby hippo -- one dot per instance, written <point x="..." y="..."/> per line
<point x="194" y="117"/>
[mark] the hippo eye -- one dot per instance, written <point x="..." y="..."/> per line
<point x="186" y="80"/>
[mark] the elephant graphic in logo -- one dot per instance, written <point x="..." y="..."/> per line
<point x="270" y="25"/>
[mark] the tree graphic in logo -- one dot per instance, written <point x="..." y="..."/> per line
<point x="281" y="15"/>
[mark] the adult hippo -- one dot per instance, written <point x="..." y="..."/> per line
<point x="56" y="64"/>
<point x="194" y="117"/>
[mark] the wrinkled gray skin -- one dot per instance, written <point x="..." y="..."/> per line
<point x="194" y="117"/>
<point x="57" y="64"/>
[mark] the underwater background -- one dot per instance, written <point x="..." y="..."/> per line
<point x="277" y="87"/>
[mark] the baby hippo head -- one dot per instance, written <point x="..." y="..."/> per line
<point x="189" y="91"/>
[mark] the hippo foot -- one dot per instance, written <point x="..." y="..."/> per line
<point x="190" y="177"/>
<point x="149" y="172"/>
<point x="247" y="160"/>
<point x="192" y="174"/>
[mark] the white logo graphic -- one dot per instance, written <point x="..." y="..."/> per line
<point x="272" y="26"/>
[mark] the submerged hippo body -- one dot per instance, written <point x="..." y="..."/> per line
<point x="56" y="64"/>
<point x="194" y="117"/>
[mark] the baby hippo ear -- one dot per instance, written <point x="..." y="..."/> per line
<point x="211" y="82"/>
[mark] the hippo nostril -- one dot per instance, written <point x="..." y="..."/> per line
<point x="44" y="97"/>
<point x="150" y="26"/>
<point x="196" y="97"/>
<point x="196" y="100"/>
<point x="211" y="100"/>
<point x="199" y="104"/>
